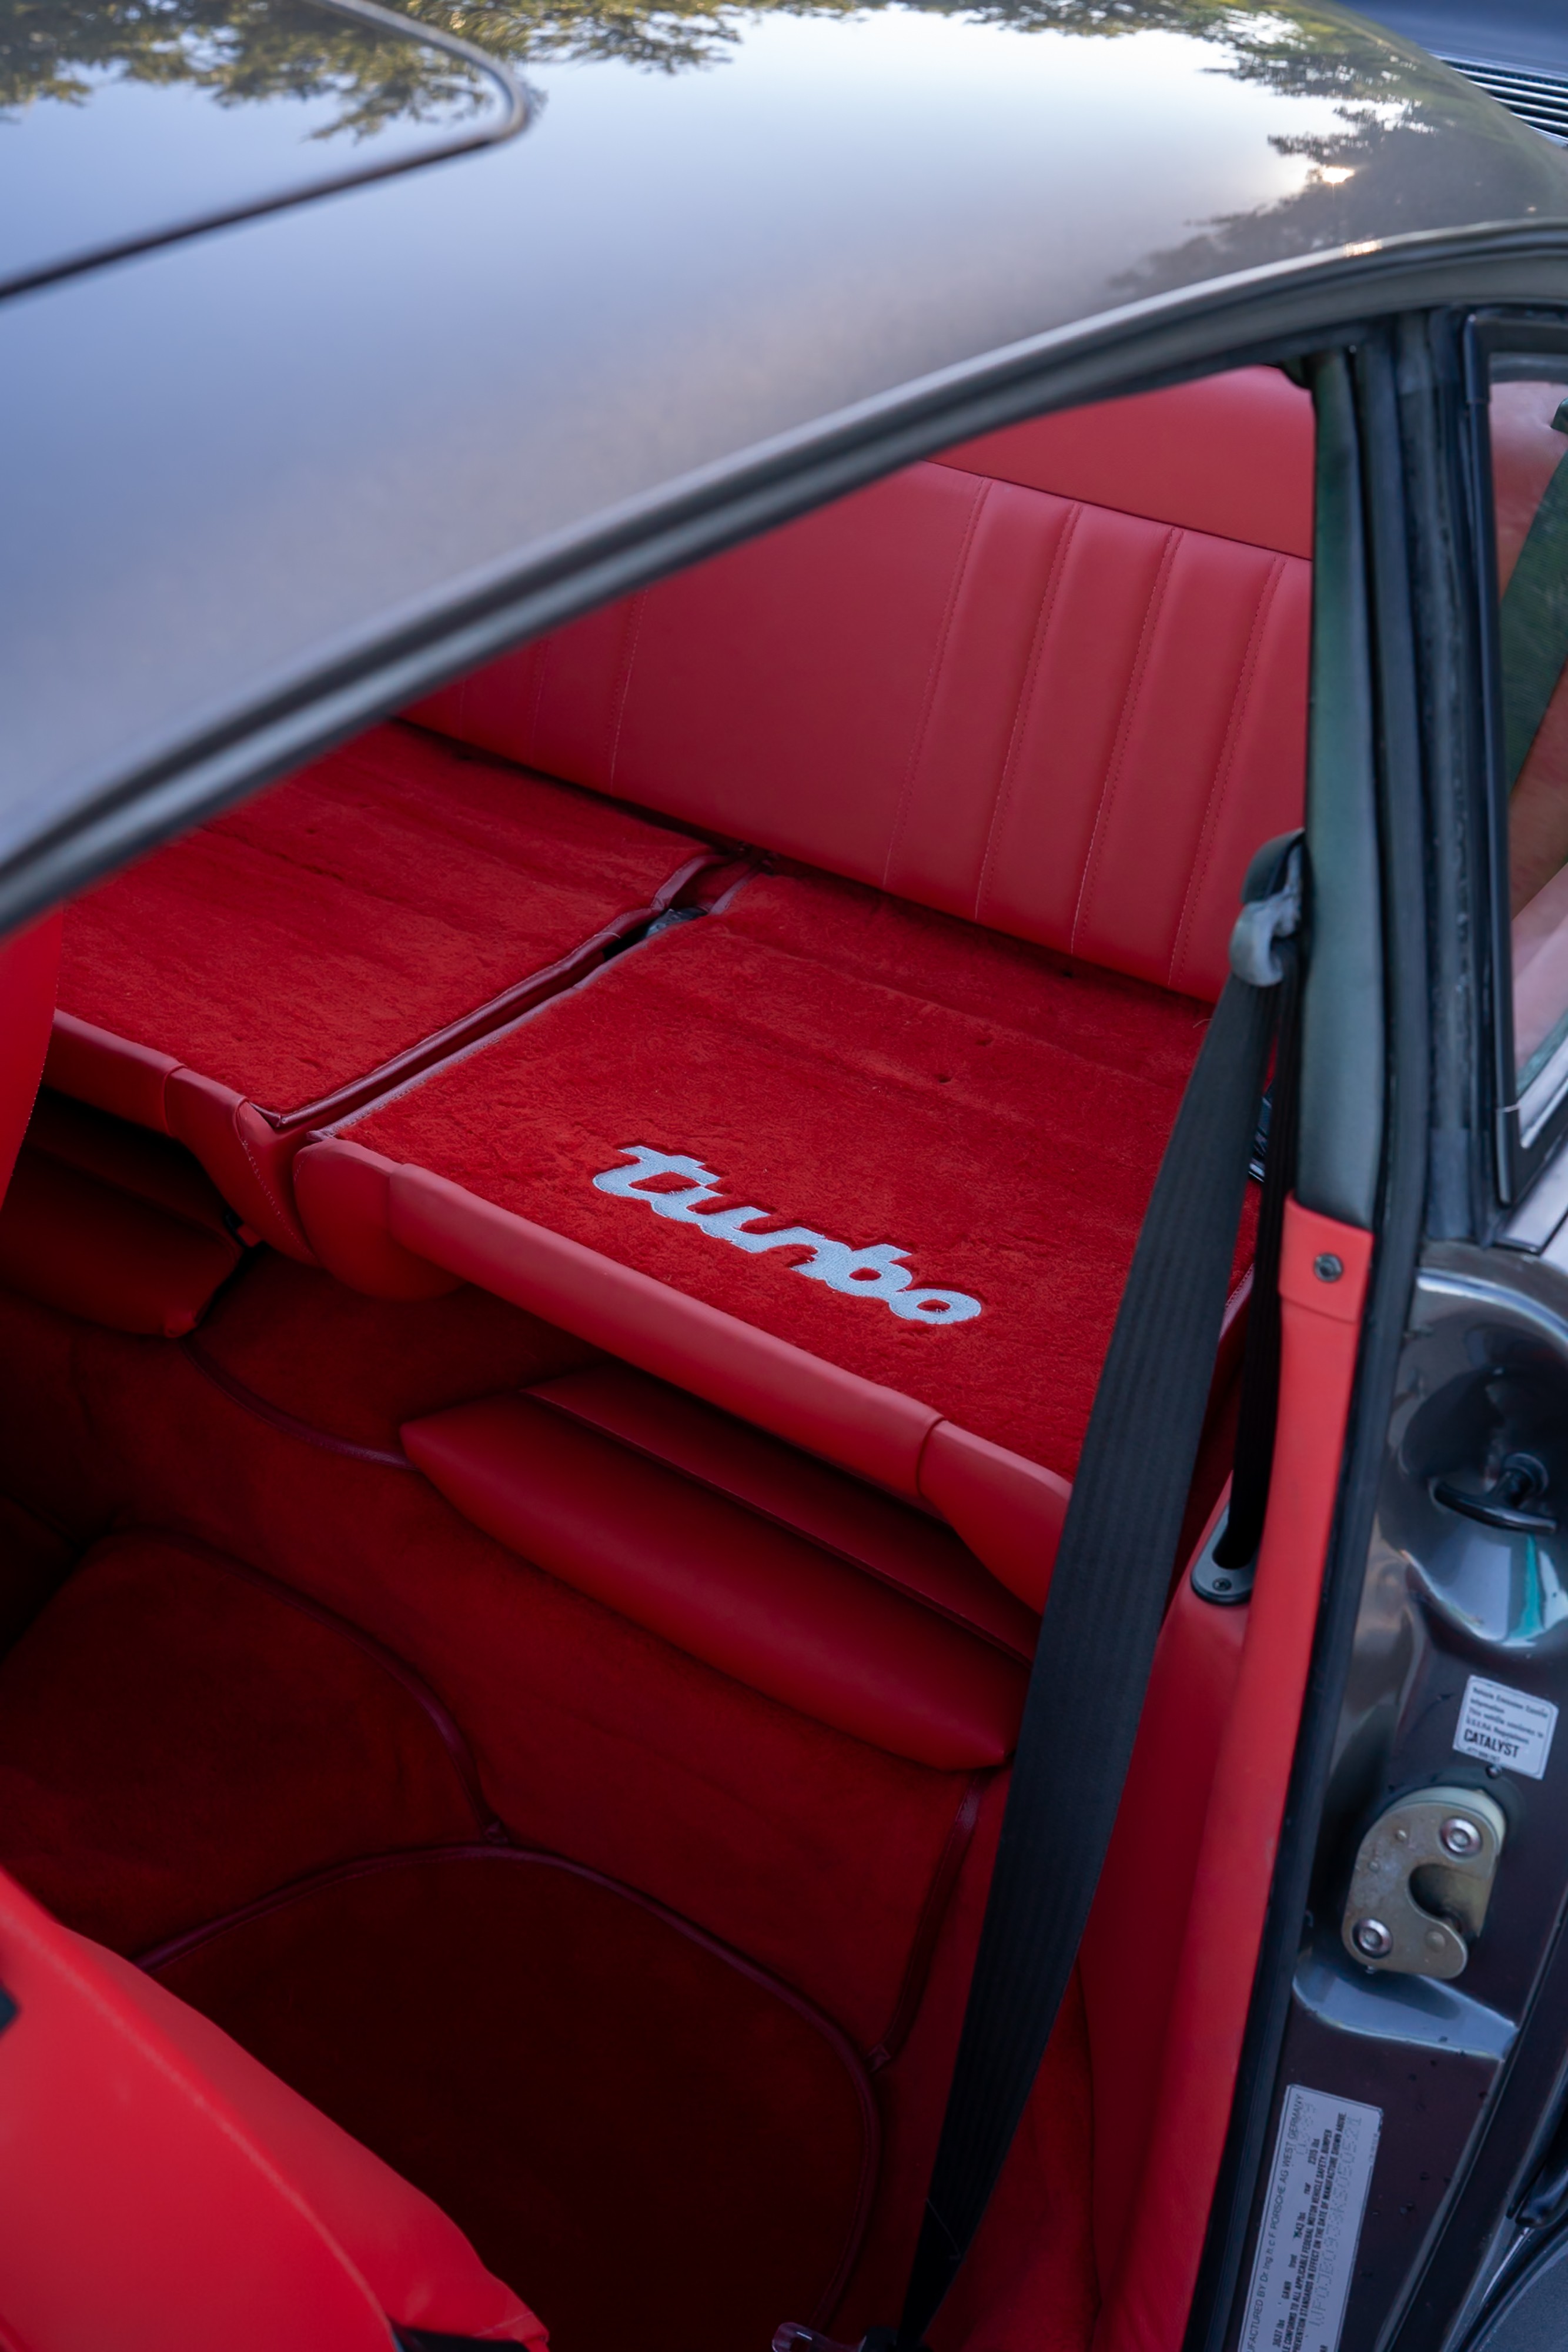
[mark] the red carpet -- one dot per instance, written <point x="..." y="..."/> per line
<point x="313" y="934"/>
<point x="671" y="2150"/>
<point x="872" y="1071"/>
<point x="177" y="1737"/>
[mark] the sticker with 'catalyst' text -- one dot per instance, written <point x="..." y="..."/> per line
<point x="1499" y="1726"/>
<point x="1312" y="2224"/>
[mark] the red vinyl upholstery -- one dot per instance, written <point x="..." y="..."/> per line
<point x="1230" y="454"/>
<point x="164" y="2193"/>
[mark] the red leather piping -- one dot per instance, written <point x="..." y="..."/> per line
<point x="287" y="1423"/>
<point x="928" y="1926"/>
<point x="734" y="1491"/>
<point x="509" y="1006"/>
<point x="163" y="1955"/>
<point x="445" y="1727"/>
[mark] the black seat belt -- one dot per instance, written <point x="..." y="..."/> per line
<point x="1107" y="1597"/>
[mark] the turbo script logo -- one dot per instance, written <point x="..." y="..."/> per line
<point x="875" y="1273"/>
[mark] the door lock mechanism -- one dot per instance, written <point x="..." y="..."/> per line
<point x="1422" y="1882"/>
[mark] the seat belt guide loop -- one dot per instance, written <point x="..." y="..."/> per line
<point x="1264" y="921"/>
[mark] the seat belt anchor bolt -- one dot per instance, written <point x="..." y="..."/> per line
<point x="1225" y="1583"/>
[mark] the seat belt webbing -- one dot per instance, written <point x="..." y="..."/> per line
<point x="1108" y="1594"/>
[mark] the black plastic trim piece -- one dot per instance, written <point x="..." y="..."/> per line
<point x="1342" y="1005"/>
<point x="1458" y="866"/>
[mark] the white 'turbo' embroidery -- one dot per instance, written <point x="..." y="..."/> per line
<point x="875" y="1273"/>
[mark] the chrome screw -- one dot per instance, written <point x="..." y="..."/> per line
<point x="1328" y="1267"/>
<point x="1460" y="1837"/>
<point x="1372" y="1939"/>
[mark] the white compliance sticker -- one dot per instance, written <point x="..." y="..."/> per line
<point x="1499" y="1726"/>
<point x="1312" y="2224"/>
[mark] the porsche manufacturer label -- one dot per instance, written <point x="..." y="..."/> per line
<point x="686" y="1187"/>
<point x="1312" y="2224"/>
<point x="1499" y="1726"/>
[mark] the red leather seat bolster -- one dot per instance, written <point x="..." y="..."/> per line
<point x="365" y="1212"/>
<point x="343" y="1196"/>
<point x="162" y="2191"/>
<point x="730" y="1588"/>
<point x="900" y="1547"/>
<point x="1007" y="1510"/>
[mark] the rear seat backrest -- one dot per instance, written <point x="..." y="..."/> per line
<point x="1054" y="682"/>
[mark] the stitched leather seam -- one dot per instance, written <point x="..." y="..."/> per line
<point x="1220" y="786"/>
<point x="928" y="1928"/>
<point x="285" y="1213"/>
<point x="541" y="654"/>
<point x="933" y="676"/>
<point x="1130" y="693"/>
<point x="628" y="658"/>
<point x="454" y="1739"/>
<point x="288" y="1425"/>
<point x="514" y="1856"/>
<point x="1012" y="761"/>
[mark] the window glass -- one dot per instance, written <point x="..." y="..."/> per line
<point x="1529" y="444"/>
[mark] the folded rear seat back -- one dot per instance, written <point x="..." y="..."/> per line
<point x="306" y="950"/>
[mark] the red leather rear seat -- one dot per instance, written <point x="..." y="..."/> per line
<point x="861" y="692"/>
<point x="1044" y="698"/>
<point x="1010" y="708"/>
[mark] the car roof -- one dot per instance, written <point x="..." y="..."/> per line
<point x="263" y="480"/>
